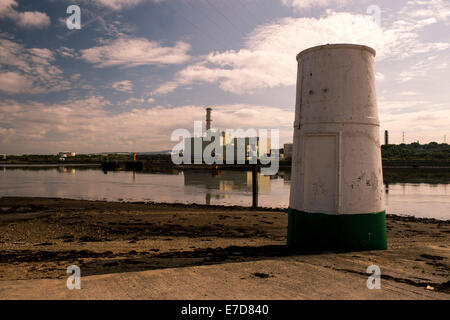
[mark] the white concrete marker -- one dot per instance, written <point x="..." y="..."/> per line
<point x="337" y="197"/>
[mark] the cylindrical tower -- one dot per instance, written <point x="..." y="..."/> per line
<point x="208" y="118"/>
<point x="337" y="199"/>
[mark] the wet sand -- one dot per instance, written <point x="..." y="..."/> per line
<point x="41" y="237"/>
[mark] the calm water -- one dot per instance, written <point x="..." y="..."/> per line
<point x="222" y="187"/>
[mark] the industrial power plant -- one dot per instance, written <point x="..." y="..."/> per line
<point x="230" y="149"/>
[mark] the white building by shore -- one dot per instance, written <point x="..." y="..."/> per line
<point x="65" y="154"/>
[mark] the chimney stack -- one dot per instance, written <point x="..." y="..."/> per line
<point x="208" y="118"/>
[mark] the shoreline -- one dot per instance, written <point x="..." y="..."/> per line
<point x="148" y="164"/>
<point x="20" y="199"/>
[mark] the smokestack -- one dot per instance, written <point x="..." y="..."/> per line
<point x="208" y="118"/>
<point x="386" y="137"/>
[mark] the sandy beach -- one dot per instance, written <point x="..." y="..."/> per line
<point x="41" y="237"/>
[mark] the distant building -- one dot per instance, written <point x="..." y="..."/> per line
<point x="287" y="155"/>
<point x="65" y="154"/>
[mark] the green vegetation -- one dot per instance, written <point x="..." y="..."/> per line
<point x="416" y="151"/>
<point x="416" y="155"/>
<point x="30" y="158"/>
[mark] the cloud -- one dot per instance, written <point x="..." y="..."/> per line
<point x="421" y="69"/>
<point x="13" y="82"/>
<point x="28" y="19"/>
<point x="420" y="120"/>
<point x="33" y="122"/>
<point x="165" y="88"/>
<point x="137" y="101"/>
<point x="43" y="53"/>
<point x="121" y="4"/>
<point x="66" y="52"/>
<point x="131" y="52"/>
<point x="85" y="125"/>
<point x="134" y="101"/>
<point x="306" y="4"/>
<point x="6" y="6"/>
<point x="408" y="93"/>
<point x="267" y="59"/>
<point x="32" y="19"/>
<point x="379" y="76"/>
<point x="426" y="12"/>
<point x="31" y="70"/>
<point x="123" y="86"/>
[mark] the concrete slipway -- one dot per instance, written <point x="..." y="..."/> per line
<point x="301" y="277"/>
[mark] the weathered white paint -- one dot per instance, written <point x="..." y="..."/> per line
<point x="336" y="165"/>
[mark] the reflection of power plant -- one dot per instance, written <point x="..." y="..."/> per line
<point x="65" y="170"/>
<point x="224" y="180"/>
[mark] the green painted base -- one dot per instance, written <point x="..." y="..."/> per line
<point x="349" y="232"/>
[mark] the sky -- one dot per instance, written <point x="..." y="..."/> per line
<point x="139" y="69"/>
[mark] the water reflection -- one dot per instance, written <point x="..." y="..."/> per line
<point x="406" y="193"/>
<point x="225" y="180"/>
<point x="66" y="170"/>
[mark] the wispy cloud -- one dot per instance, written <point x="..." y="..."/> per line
<point x="134" y="101"/>
<point x="132" y="52"/>
<point x="28" y="19"/>
<point x="85" y="125"/>
<point x="427" y="12"/>
<point x="28" y="70"/>
<point x="408" y="93"/>
<point x="420" y="119"/>
<point x="123" y="86"/>
<point x="14" y="82"/>
<point x="267" y="59"/>
<point x="379" y="76"/>
<point x="165" y="88"/>
<point x="422" y="68"/>
<point x="121" y="4"/>
<point x="299" y="5"/>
